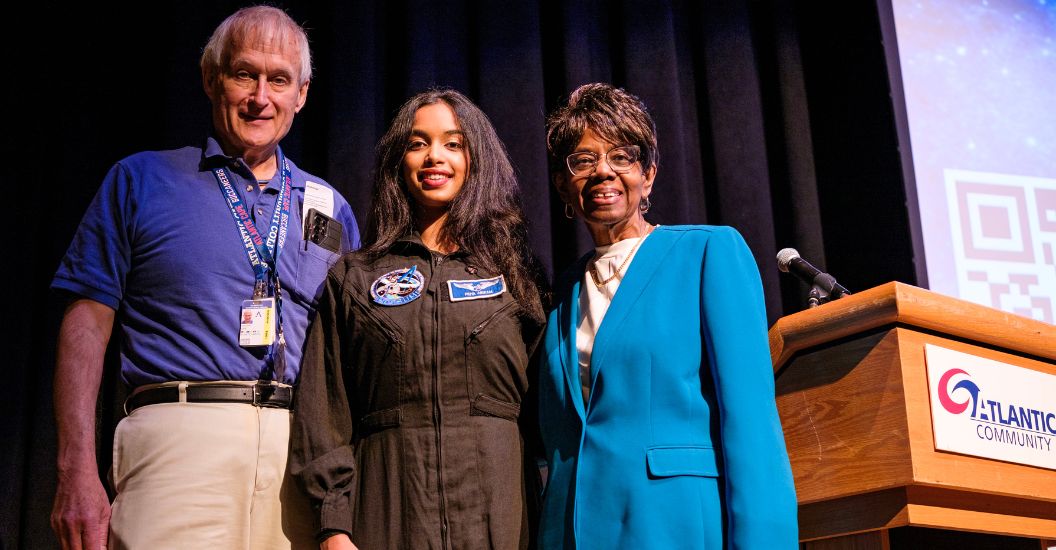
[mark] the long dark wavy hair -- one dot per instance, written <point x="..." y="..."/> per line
<point x="484" y="219"/>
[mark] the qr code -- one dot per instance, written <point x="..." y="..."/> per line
<point x="1004" y="240"/>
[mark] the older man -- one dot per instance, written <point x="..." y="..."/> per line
<point x="211" y="259"/>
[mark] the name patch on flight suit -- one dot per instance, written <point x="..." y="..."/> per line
<point x="476" y="289"/>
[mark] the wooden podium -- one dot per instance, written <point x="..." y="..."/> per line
<point x="852" y="392"/>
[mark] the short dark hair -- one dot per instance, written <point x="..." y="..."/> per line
<point x="485" y="217"/>
<point x="610" y="112"/>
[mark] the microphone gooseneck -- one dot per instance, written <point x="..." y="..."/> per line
<point x="823" y="286"/>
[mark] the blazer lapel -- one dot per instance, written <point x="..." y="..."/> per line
<point x="567" y="327"/>
<point x="644" y="267"/>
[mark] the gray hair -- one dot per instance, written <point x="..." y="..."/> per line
<point x="264" y="27"/>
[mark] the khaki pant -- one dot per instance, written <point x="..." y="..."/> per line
<point x="206" y="475"/>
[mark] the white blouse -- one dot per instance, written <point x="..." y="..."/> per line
<point x="594" y="301"/>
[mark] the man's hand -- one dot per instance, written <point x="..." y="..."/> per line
<point x="338" y="542"/>
<point x="81" y="514"/>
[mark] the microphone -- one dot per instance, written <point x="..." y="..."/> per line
<point x="789" y="261"/>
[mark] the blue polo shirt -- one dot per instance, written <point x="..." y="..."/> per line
<point x="159" y="245"/>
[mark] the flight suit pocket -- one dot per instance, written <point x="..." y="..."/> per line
<point x="495" y="359"/>
<point x="489" y="406"/>
<point x="377" y="421"/>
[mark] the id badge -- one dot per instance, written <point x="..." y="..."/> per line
<point x="258" y="323"/>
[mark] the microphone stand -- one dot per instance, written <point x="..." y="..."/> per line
<point x="815" y="297"/>
<point x="825" y="289"/>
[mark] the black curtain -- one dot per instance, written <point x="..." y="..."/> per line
<point x="774" y="116"/>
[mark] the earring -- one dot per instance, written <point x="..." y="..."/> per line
<point x="644" y="205"/>
<point x="569" y="212"/>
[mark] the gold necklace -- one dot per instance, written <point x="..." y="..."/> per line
<point x="593" y="269"/>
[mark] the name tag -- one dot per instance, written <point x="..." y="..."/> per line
<point x="257" y="327"/>
<point x="476" y="289"/>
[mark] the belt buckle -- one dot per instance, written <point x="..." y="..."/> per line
<point x="263" y="393"/>
<point x="258" y="395"/>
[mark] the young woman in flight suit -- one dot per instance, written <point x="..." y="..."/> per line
<point x="408" y="422"/>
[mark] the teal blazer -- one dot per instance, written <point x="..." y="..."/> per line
<point x="679" y="445"/>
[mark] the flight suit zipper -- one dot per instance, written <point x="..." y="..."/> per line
<point x="437" y="413"/>
<point x="382" y="323"/>
<point x="483" y="324"/>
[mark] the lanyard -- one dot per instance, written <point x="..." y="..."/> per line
<point x="262" y="252"/>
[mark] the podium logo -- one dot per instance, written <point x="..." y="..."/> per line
<point x="946" y="399"/>
<point x="997" y="423"/>
<point x="989" y="409"/>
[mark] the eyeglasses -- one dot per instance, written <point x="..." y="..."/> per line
<point x="620" y="159"/>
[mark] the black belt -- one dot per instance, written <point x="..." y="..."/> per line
<point x="258" y="395"/>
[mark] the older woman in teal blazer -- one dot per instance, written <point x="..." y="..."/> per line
<point x="656" y="394"/>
